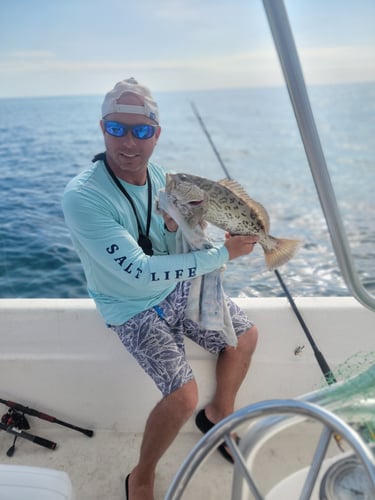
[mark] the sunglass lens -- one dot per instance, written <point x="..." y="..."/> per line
<point x="114" y="128"/>
<point x="143" y="131"/>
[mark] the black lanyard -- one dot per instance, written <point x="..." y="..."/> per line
<point x="143" y="239"/>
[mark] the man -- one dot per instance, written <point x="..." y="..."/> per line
<point x="140" y="286"/>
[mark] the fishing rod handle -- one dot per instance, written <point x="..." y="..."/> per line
<point x="86" y="432"/>
<point x="322" y="362"/>
<point x="46" y="443"/>
<point x="49" y="418"/>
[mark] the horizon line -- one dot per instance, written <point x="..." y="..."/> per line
<point x="180" y="91"/>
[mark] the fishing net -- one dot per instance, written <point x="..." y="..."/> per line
<point x="352" y="397"/>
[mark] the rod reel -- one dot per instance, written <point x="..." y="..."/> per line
<point x="16" y="420"/>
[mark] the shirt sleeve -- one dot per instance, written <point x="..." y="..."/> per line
<point x="105" y="245"/>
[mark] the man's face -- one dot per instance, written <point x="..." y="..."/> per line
<point x="128" y="156"/>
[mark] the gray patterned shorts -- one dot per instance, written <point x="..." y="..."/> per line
<point x="155" y="338"/>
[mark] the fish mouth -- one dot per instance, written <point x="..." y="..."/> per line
<point x="171" y="184"/>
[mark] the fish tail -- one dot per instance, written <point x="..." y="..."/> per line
<point x="278" y="251"/>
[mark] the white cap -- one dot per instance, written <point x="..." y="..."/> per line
<point x="111" y="105"/>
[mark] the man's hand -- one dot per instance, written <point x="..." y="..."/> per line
<point x="239" y="245"/>
<point x="170" y="223"/>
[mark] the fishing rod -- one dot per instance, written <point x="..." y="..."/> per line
<point x="25" y="410"/>
<point x="14" y="422"/>
<point x="326" y="370"/>
<point x="17" y="432"/>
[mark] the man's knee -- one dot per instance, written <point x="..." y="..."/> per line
<point x="186" y="397"/>
<point x="248" y="340"/>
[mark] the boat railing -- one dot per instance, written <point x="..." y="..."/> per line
<point x="291" y="67"/>
<point x="275" y="415"/>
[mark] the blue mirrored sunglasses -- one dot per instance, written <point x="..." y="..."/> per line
<point x="139" y="131"/>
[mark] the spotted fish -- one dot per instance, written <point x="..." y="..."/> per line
<point x="226" y="204"/>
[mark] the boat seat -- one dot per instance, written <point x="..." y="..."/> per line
<point x="18" y="482"/>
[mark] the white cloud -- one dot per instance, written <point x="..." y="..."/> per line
<point x="240" y="69"/>
<point x="339" y="64"/>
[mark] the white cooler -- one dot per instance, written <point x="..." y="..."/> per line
<point x="18" y="482"/>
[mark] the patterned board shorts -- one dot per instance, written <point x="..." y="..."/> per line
<point x="155" y="338"/>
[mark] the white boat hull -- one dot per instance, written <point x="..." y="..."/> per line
<point x="59" y="357"/>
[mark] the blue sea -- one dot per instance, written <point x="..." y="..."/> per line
<point x="46" y="141"/>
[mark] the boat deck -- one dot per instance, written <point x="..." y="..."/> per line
<point x="97" y="466"/>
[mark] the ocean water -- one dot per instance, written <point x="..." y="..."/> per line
<point x="46" y="141"/>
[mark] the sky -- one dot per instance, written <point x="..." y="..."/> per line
<point x="83" y="47"/>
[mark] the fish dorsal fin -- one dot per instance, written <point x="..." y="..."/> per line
<point x="240" y="192"/>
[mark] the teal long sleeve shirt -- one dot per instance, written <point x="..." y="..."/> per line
<point x="121" y="278"/>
